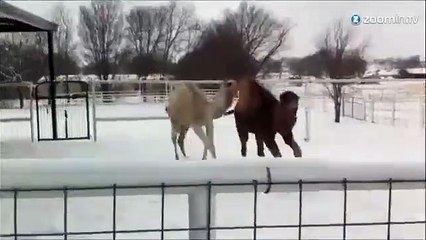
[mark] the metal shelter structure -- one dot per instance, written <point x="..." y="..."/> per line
<point x="14" y="19"/>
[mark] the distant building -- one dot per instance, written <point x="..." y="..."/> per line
<point x="413" y="73"/>
<point x="381" y="73"/>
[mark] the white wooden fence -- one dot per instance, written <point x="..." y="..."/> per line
<point x="394" y="112"/>
<point x="128" y="92"/>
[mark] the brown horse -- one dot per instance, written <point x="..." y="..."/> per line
<point x="258" y="111"/>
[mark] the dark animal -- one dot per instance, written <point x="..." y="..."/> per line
<point x="258" y="111"/>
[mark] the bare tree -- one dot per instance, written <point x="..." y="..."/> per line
<point x="146" y="29"/>
<point x="163" y="31"/>
<point x="100" y="32"/>
<point x="64" y="47"/>
<point x="262" y="34"/>
<point x="63" y="36"/>
<point x="336" y="42"/>
<point x="181" y="26"/>
<point x="190" y="38"/>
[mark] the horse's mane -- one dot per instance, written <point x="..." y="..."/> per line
<point x="265" y="94"/>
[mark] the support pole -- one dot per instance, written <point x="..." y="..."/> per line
<point x="31" y="118"/>
<point x="52" y="85"/>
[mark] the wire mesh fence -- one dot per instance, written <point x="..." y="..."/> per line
<point x="211" y="228"/>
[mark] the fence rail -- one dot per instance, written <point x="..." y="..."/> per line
<point x="366" y="109"/>
<point x="353" y="80"/>
<point x="202" y="181"/>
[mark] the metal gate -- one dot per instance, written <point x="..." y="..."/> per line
<point x="68" y="117"/>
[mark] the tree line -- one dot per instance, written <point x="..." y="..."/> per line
<point x="170" y="39"/>
<point x="148" y="39"/>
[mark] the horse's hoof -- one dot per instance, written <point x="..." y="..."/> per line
<point x="297" y="154"/>
<point x="261" y="154"/>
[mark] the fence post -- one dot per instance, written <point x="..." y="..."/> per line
<point x="365" y="109"/>
<point x="393" y="112"/>
<point x="167" y="90"/>
<point x="31" y="119"/>
<point x="307" y="125"/>
<point x="95" y="131"/>
<point x="324" y="103"/>
<point x="201" y="214"/>
<point x="372" y="110"/>
<point x="422" y="113"/>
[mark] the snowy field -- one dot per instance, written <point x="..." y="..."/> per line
<point x="149" y="141"/>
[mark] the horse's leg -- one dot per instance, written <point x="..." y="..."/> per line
<point x="243" y="135"/>
<point x="174" y="137"/>
<point x="182" y="134"/>
<point x="289" y="140"/>
<point x="210" y="138"/>
<point x="260" y="148"/>
<point x="199" y="132"/>
<point x="272" y="145"/>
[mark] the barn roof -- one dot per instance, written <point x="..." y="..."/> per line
<point x="416" y="70"/>
<point x="14" y="19"/>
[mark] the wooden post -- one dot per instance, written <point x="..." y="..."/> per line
<point x="393" y="112"/>
<point x="199" y="214"/>
<point x="95" y="131"/>
<point x="365" y="109"/>
<point x="307" y="124"/>
<point x="422" y="112"/>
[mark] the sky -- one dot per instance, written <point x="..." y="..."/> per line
<point x="310" y="19"/>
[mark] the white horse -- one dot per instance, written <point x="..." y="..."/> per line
<point x="189" y="107"/>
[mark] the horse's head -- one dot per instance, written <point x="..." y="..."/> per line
<point x="224" y="97"/>
<point x="290" y="99"/>
<point x="228" y="90"/>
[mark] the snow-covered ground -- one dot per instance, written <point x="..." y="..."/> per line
<point x="149" y="141"/>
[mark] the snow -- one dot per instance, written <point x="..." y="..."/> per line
<point x="146" y="143"/>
